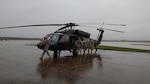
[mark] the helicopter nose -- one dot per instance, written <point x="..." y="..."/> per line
<point x="40" y="45"/>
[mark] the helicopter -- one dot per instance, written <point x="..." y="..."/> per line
<point x="64" y="38"/>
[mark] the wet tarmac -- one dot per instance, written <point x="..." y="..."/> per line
<point x="20" y="64"/>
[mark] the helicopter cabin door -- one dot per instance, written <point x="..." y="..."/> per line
<point x="64" y="43"/>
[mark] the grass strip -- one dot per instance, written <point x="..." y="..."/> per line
<point x="103" y="47"/>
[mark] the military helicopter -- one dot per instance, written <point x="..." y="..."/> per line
<point x="64" y="38"/>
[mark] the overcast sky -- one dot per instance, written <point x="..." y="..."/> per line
<point x="134" y="13"/>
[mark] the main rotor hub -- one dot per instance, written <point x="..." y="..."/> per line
<point x="71" y="24"/>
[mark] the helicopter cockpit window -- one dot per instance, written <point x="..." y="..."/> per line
<point x="54" y="38"/>
<point x="64" y="38"/>
<point x="49" y="37"/>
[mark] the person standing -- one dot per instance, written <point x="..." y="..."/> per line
<point x="79" y="44"/>
<point x="46" y="44"/>
<point x="85" y="42"/>
<point x="90" y="45"/>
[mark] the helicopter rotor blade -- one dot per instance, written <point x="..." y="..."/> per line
<point x="32" y="26"/>
<point x="99" y="31"/>
<point x="104" y="28"/>
<point x="61" y="28"/>
<point x="67" y="26"/>
<point x="117" y="24"/>
<point x="114" y="30"/>
<point x="103" y="24"/>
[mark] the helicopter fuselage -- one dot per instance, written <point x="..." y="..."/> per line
<point x="59" y="41"/>
<point x="65" y="40"/>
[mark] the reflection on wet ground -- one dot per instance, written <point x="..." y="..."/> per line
<point x="67" y="68"/>
<point x="20" y="64"/>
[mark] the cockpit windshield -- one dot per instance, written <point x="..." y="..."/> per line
<point x="53" y="37"/>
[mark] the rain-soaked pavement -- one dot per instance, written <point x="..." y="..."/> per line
<point x="20" y="64"/>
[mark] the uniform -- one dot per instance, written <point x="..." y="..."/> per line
<point x="46" y="47"/>
<point x="90" y="45"/>
<point x="85" y="45"/>
<point x="79" y="45"/>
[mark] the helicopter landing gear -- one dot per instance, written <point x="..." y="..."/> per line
<point x="74" y="51"/>
<point x="56" y="53"/>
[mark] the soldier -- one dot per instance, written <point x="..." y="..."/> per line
<point x="90" y="45"/>
<point x="46" y="47"/>
<point x="79" y="45"/>
<point x="85" y="42"/>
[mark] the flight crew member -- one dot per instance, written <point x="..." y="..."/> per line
<point x="79" y="45"/>
<point x="90" y="45"/>
<point x="46" y="46"/>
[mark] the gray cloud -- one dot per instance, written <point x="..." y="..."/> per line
<point x="134" y="13"/>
